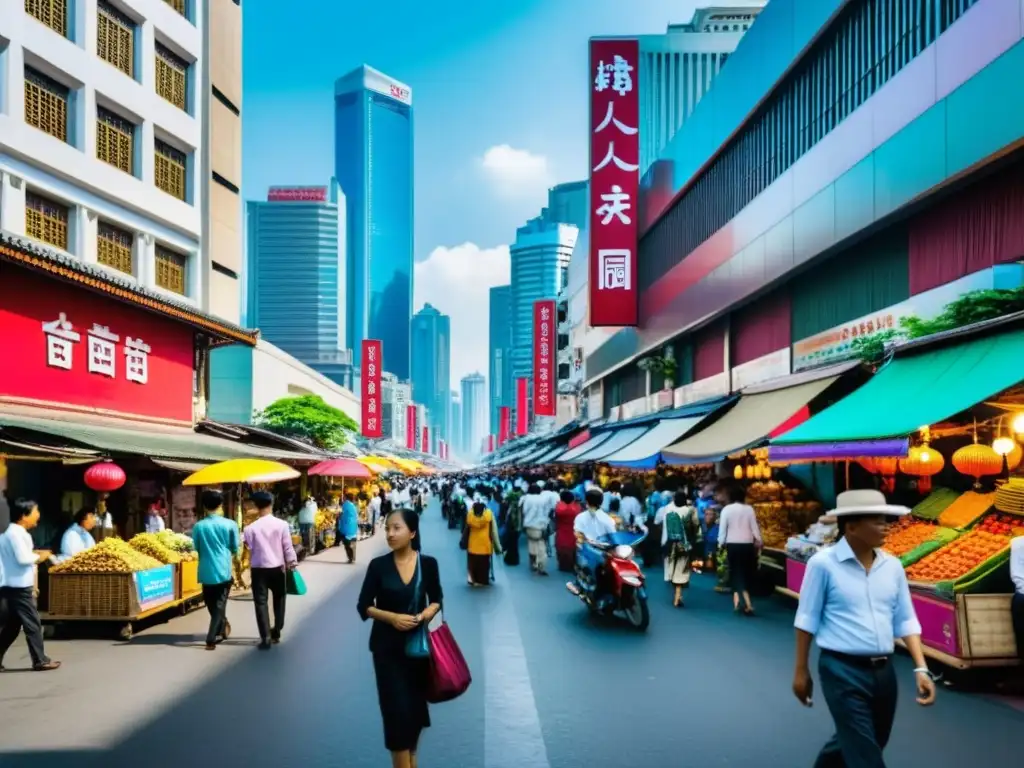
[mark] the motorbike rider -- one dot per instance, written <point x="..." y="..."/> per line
<point x="592" y="524"/>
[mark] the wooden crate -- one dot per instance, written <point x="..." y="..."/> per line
<point x="986" y="627"/>
<point x="188" y="579"/>
<point x="93" y="595"/>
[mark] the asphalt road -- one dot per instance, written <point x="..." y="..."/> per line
<point x="553" y="688"/>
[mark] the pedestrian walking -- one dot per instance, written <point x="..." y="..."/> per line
<point x="854" y="601"/>
<point x="217" y="542"/>
<point x="565" y="536"/>
<point x="680" y="537"/>
<point x="18" y="563"/>
<point x="348" y="526"/>
<point x="269" y="540"/>
<point x="307" y="518"/>
<point x="401" y="593"/>
<point x="740" y="534"/>
<point x="536" y="521"/>
<point x="481" y="545"/>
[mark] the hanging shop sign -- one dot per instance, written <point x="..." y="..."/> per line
<point x="504" y="424"/>
<point x="614" y="181"/>
<point x="543" y="358"/>
<point x="410" y="427"/>
<point x="372" y="355"/>
<point x="81" y="349"/>
<point x="771" y="366"/>
<point x="425" y="444"/>
<point x="522" y="407"/>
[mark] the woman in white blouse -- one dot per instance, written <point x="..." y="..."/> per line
<point x="679" y="537"/>
<point x="740" y="534"/>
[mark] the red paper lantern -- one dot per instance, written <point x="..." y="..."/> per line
<point x="105" y="477"/>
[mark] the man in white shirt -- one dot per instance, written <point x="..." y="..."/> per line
<point x="154" y="518"/>
<point x="18" y="564"/>
<point x="551" y="498"/>
<point x="1017" y="606"/>
<point x="535" y="522"/>
<point x="592" y="524"/>
<point x="78" y="537"/>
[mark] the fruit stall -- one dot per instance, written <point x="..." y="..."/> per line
<point x="124" y="582"/>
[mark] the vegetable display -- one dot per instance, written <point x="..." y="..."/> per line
<point x="958" y="558"/>
<point x="908" y="536"/>
<point x="176" y="542"/>
<point x="935" y="504"/>
<point x="111" y="555"/>
<point x="966" y="510"/>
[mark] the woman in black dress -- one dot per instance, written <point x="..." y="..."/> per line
<point x="388" y="597"/>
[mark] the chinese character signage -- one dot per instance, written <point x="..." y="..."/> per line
<point x="373" y="421"/>
<point x="410" y="427"/>
<point x="81" y="349"/>
<point x="490" y="444"/>
<point x="425" y="445"/>
<point x="614" y="183"/>
<point x="522" y="407"/>
<point x="544" y="358"/>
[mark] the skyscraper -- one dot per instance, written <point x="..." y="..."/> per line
<point x="568" y="203"/>
<point x="474" y="412"/>
<point x="296" y="276"/>
<point x="456" y="424"/>
<point x="431" y="368"/>
<point x="373" y="158"/>
<point x="499" y="354"/>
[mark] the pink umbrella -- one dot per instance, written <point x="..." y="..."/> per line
<point x="340" y="468"/>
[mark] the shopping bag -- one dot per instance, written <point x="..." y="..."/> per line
<point x="296" y="585"/>
<point x="416" y="645"/>
<point x="464" y="541"/>
<point x="449" y="672"/>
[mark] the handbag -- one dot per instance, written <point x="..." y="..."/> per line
<point x="449" y="673"/>
<point x="464" y="541"/>
<point x="294" y="583"/>
<point x="416" y="645"/>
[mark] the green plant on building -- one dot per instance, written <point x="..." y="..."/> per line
<point x="663" y="366"/>
<point x="309" y="417"/>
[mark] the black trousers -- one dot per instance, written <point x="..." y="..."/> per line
<point x="269" y="582"/>
<point x="862" y="701"/>
<point x="1017" y="612"/>
<point x="22" y="614"/>
<point x="216" y="598"/>
<point x="350" y="547"/>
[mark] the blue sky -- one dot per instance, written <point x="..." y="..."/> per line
<point x="500" y="101"/>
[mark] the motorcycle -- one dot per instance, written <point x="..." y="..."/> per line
<point x="619" y="584"/>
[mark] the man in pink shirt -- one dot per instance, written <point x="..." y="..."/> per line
<point x="269" y="540"/>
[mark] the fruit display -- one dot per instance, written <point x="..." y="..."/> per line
<point x="1010" y="496"/>
<point x="934" y="504"/>
<point x="780" y="511"/>
<point x="111" y="555"/>
<point x="177" y="542"/>
<point x="324" y="520"/>
<point x="773" y="520"/>
<point x="966" y="509"/>
<point x="910" y="539"/>
<point x="149" y="544"/>
<point x="1002" y="525"/>
<point x="959" y="557"/>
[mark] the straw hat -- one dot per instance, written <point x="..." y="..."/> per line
<point x="865" y="502"/>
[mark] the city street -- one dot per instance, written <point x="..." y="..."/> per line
<point x="552" y="688"/>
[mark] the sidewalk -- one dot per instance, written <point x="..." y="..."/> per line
<point x="106" y="688"/>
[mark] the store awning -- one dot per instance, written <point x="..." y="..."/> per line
<point x="922" y="385"/>
<point x="645" y="452"/>
<point x="547" y="455"/>
<point x="181" y="466"/>
<point x="151" y="440"/>
<point x="758" y="412"/>
<point x="620" y="438"/>
<point x="567" y="457"/>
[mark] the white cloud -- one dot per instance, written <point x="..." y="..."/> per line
<point x="457" y="281"/>
<point x="516" y="172"/>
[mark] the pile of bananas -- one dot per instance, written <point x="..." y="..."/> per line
<point x="111" y="555"/>
<point x="324" y="521"/>
<point x="149" y="544"/>
<point x="178" y="542"/>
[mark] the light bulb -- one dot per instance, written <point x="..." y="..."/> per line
<point x="1003" y="445"/>
<point x="924" y="455"/>
<point x="1018" y="423"/>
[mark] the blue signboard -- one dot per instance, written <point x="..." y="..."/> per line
<point x="155" y="587"/>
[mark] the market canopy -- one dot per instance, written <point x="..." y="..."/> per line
<point x="758" y="412"/>
<point x="566" y="457"/>
<point x="619" y="439"/>
<point x="255" y="471"/>
<point x="340" y="468"/>
<point x="545" y="456"/>
<point x="645" y="452"/>
<point x="925" y="383"/>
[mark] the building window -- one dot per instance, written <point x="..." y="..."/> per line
<point x="115" y="38"/>
<point x="52" y="13"/>
<point x="114" y="248"/>
<point x="46" y="104"/>
<point x="115" y="140"/>
<point x="170" y="270"/>
<point x="180" y="6"/>
<point x="170" y="168"/>
<point x="171" y="77"/>
<point x="46" y="220"/>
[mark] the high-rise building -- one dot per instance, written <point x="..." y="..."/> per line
<point x="431" y="367"/>
<point x="221" y="153"/>
<point x="395" y="396"/>
<point x="569" y="203"/>
<point x="540" y="261"/>
<point x="499" y="354"/>
<point x="296" y="276"/>
<point x="373" y="158"/>
<point x="474" y="412"/>
<point x="678" y="68"/>
<point x="455" y="424"/>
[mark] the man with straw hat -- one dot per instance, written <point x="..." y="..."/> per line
<point x="855" y="601"/>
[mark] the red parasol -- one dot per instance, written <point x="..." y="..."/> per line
<point x="340" y="468"/>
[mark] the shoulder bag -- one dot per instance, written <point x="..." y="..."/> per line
<point x="416" y="645"/>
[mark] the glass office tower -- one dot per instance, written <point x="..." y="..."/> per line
<point x="373" y="157"/>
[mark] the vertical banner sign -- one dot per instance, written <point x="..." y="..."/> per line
<point x="614" y="182"/>
<point x="522" y="408"/>
<point x="490" y="443"/>
<point x="373" y="422"/>
<point x="410" y="427"/>
<point x="543" y="358"/>
<point x="504" y="424"/>
<point x="425" y="446"/>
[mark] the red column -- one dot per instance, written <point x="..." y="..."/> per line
<point x="522" y="408"/>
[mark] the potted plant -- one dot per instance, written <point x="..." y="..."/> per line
<point x="666" y="366"/>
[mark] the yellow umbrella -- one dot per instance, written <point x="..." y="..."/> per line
<point x="373" y="464"/>
<point x="385" y="461"/>
<point x="242" y="471"/>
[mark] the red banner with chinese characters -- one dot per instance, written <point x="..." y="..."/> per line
<point x="522" y="407"/>
<point x="490" y="443"/>
<point x="425" y="446"/>
<point x="61" y="344"/>
<point x="371" y="370"/>
<point x="410" y="427"/>
<point x="614" y="182"/>
<point x="504" y="424"/>
<point x="544" y="357"/>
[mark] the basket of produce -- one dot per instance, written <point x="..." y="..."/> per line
<point x="960" y="561"/>
<point x="99" y="582"/>
<point x="910" y="539"/>
<point x="966" y="510"/>
<point x="934" y="504"/>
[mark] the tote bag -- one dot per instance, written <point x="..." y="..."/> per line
<point x="449" y="672"/>
<point x="416" y="645"/>
<point x="294" y="583"/>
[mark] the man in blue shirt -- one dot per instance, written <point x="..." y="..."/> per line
<point x="348" y="526"/>
<point x="855" y="601"/>
<point x="217" y="542"/>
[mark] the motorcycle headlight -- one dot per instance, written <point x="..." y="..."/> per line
<point x="623" y="552"/>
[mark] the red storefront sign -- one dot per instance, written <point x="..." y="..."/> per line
<point x="410" y="427"/>
<point x="614" y="182"/>
<point x="504" y="424"/>
<point x="425" y="446"/>
<point x="522" y="408"/>
<point x="543" y="357"/>
<point x="72" y="347"/>
<point x="373" y="422"/>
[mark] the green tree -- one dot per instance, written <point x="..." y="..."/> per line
<point x="310" y="417"/>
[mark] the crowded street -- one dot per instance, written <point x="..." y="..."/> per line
<point x="551" y="687"/>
